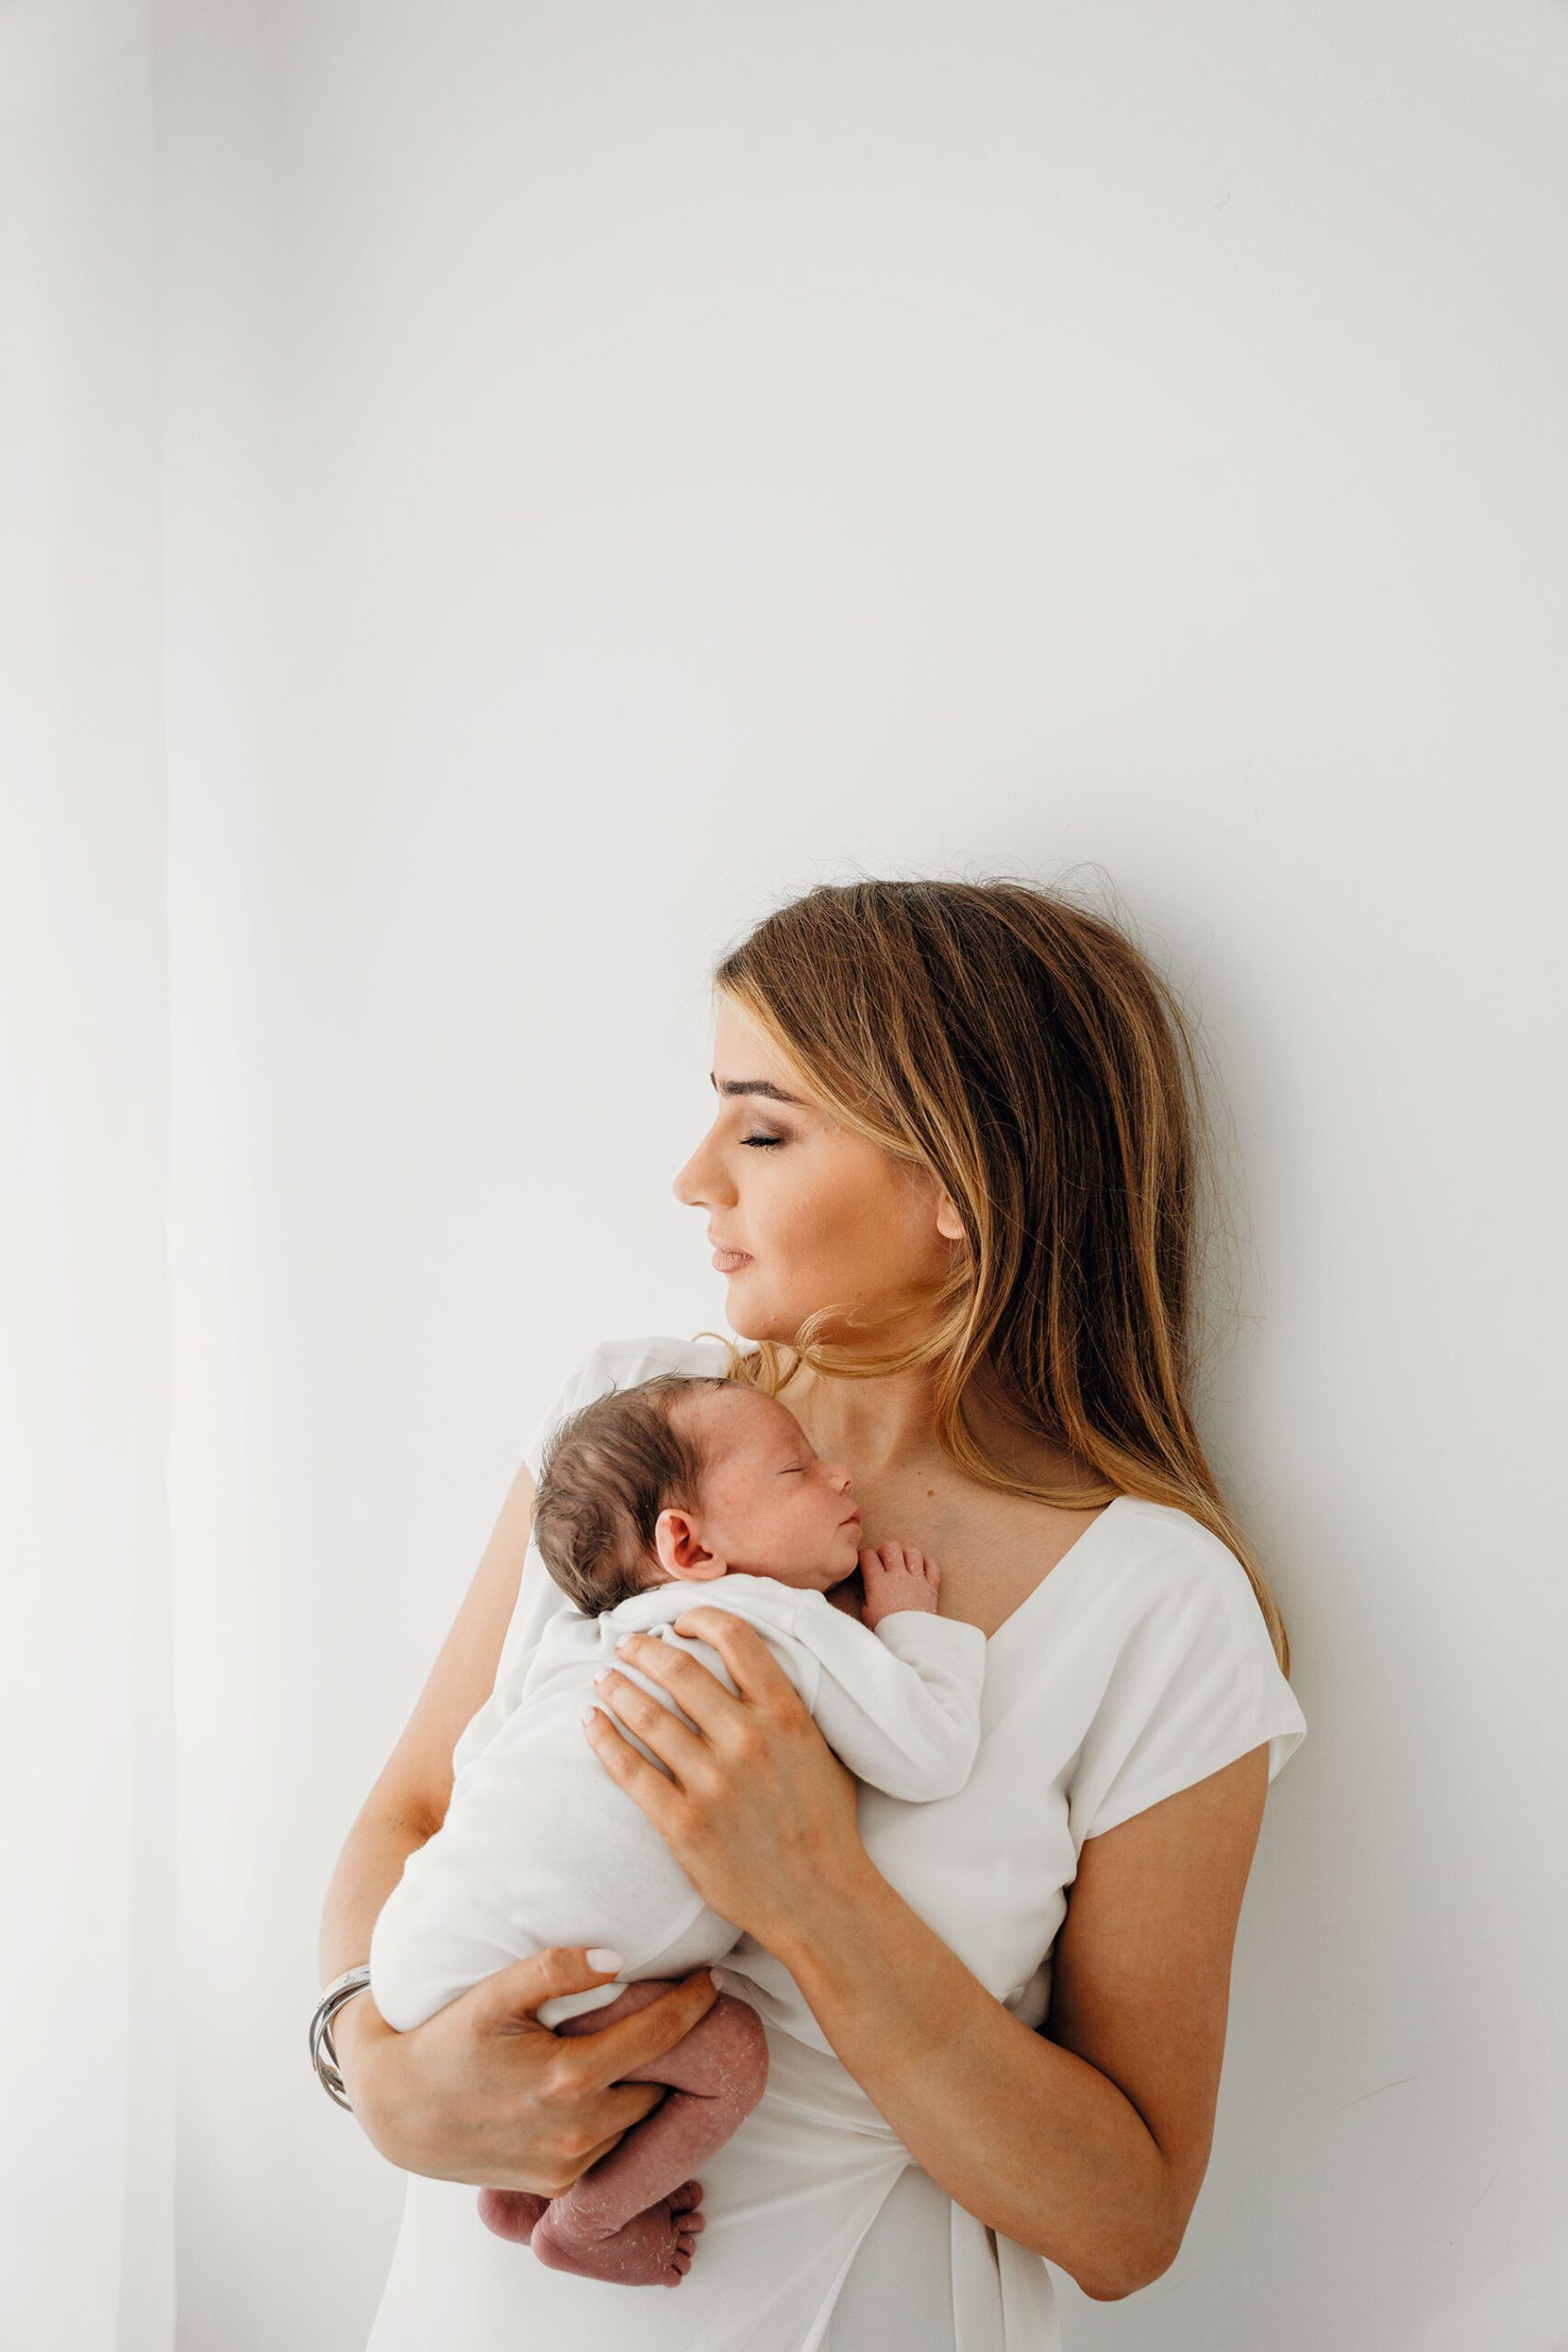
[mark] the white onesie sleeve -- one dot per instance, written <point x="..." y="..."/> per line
<point x="900" y="1706"/>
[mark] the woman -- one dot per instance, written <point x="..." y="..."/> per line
<point x="951" y="1181"/>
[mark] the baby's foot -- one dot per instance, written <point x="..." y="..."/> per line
<point x="653" y="2249"/>
<point x="898" y="1578"/>
<point x="512" y="2212"/>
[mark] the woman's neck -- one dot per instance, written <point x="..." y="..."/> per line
<point x="886" y="1425"/>
<point x="877" y="1425"/>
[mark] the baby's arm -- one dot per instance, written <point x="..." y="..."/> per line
<point x="902" y="1709"/>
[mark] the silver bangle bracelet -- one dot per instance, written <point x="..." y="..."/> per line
<point x="342" y="1988"/>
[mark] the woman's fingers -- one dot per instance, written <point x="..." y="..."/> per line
<point x="612" y="2052"/>
<point x="671" y="1741"/>
<point x="695" y="1688"/>
<point x="753" y="1668"/>
<point x="583" y="2091"/>
<point x="523" y="1987"/>
<point x="696" y="1691"/>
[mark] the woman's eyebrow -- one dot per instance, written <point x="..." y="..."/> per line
<point x="753" y="1086"/>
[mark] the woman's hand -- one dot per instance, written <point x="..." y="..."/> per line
<point x="759" y="1812"/>
<point x="482" y="2092"/>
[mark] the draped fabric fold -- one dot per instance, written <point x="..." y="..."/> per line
<point x="88" y="1953"/>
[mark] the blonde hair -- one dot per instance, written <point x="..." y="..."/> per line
<point x="1025" y="1050"/>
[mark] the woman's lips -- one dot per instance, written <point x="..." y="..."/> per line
<point x="729" y="1261"/>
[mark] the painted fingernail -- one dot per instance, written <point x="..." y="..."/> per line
<point x="600" y="1678"/>
<point x="625" y="1641"/>
<point x="589" y="1714"/>
<point x="600" y="1956"/>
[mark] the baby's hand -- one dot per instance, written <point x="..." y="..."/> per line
<point x="896" y="1578"/>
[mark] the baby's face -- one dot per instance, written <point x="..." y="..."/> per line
<point x="770" y="1508"/>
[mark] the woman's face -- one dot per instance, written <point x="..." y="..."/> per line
<point x="816" y="1213"/>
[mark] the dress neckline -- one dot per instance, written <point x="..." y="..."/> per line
<point x="1072" y="1552"/>
<point x="1052" y="1573"/>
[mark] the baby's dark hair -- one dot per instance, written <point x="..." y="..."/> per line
<point x="603" y="1478"/>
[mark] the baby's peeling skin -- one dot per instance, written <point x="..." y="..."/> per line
<point x="631" y="2217"/>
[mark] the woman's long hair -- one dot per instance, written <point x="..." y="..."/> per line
<point x="1023" y="1049"/>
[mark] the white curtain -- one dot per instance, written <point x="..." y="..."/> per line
<point x="86" y="1727"/>
<point x="494" y="498"/>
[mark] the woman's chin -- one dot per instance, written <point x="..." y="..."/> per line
<point x="749" y="1317"/>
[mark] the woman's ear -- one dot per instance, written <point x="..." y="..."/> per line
<point x="949" y="1223"/>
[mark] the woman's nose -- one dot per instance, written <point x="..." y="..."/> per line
<point x="688" y="1186"/>
<point x="702" y="1183"/>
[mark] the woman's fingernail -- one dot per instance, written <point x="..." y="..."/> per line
<point x="589" y="1714"/>
<point x="600" y="1956"/>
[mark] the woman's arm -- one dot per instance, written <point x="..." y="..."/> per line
<point x="408" y="1800"/>
<point x="480" y="2092"/>
<point x="1091" y="2154"/>
<point x="1089" y="2147"/>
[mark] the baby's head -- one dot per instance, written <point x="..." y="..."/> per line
<point x="691" y="1478"/>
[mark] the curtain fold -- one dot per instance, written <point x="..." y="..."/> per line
<point x="87" y="1845"/>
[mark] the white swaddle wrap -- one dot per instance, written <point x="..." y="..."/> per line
<point x="541" y="1846"/>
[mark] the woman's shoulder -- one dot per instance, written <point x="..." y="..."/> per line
<point x="1184" y="1676"/>
<point x="1163" y="1563"/>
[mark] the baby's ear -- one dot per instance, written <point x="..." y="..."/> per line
<point x="681" y="1550"/>
<point x="705" y="1570"/>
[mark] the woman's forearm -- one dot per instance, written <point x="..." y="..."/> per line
<point x="368" y="1868"/>
<point x="1035" y="2142"/>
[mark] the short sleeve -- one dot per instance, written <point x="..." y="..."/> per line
<point x="617" y="1364"/>
<point x="1194" y="1685"/>
<point x="581" y="1382"/>
<point x="538" y="1596"/>
<point x="612" y="1364"/>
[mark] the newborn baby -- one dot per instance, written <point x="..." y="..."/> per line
<point x="681" y="1491"/>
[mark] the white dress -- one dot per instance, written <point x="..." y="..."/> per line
<point x="1139" y="1664"/>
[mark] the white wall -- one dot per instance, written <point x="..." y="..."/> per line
<point x="619" y="466"/>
